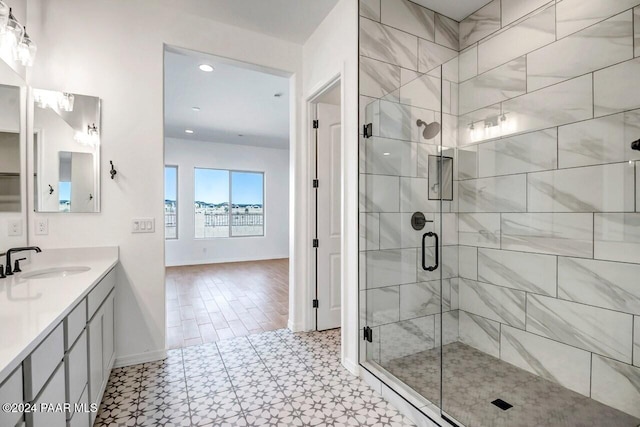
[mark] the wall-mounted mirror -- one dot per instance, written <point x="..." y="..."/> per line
<point x="66" y="152"/>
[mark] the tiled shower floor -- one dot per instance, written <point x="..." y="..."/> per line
<point x="275" y="378"/>
<point x="473" y="379"/>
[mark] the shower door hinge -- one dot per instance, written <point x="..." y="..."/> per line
<point x="315" y="303"/>
<point x="316" y="183"/>
<point x="316" y="124"/>
<point x="367" y="130"/>
<point x="368" y="334"/>
<point x="316" y="243"/>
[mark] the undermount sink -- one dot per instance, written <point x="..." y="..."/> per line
<point x="50" y="273"/>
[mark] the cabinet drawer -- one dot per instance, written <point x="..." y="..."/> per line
<point x="76" y="367"/>
<point x="11" y="392"/>
<point x="41" y="363"/>
<point x="81" y="419"/>
<point x="52" y="394"/>
<point x="74" y="324"/>
<point x="100" y="292"/>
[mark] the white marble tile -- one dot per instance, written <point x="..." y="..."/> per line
<point x="480" y="333"/>
<point x="467" y="162"/>
<point x="480" y="24"/>
<point x="419" y="299"/>
<point x="468" y="64"/>
<point x="450" y="70"/>
<point x="529" y="272"/>
<point x="396" y="231"/>
<point x="479" y="229"/>
<point x="446" y="224"/>
<point x="636" y="26"/>
<point x="393" y="267"/>
<point x="499" y="194"/>
<point x="607" y="43"/>
<point x="468" y="262"/>
<point x="636" y="340"/>
<point x="447" y="32"/>
<point x="617" y="237"/>
<point x="612" y="285"/>
<point x="399" y="121"/>
<point x="369" y="113"/>
<point x="637" y="186"/>
<point x="611" y="188"/>
<point x="601" y="331"/>
<point x="450" y="327"/>
<point x="370" y="9"/>
<point x="512" y="10"/>
<point x="383" y="306"/>
<point x="532" y="33"/>
<point x="568" y="234"/>
<point x="378" y="79"/>
<point x="423" y="92"/>
<point x="497" y="303"/>
<point x="448" y="261"/>
<point x="551" y="360"/>
<point x="391" y="157"/>
<point x="407" y="76"/>
<point x="530" y="152"/>
<point x="616" y="88"/>
<point x="413" y="196"/>
<point x="556" y="105"/>
<point x="468" y="134"/>
<point x="598" y="141"/>
<point x="574" y="15"/>
<point x="380" y="193"/>
<point x="369" y="231"/>
<point x="409" y="17"/>
<point x="432" y="55"/>
<point x="406" y="338"/>
<point x="616" y="384"/>
<point x="387" y="44"/>
<point x="496" y="85"/>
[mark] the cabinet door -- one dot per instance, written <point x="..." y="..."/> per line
<point x="108" y="338"/>
<point x="95" y="356"/>
<point x="53" y="393"/>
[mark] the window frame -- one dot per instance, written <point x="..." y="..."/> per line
<point x="230" y="173"/>
<point x="176" y="167"/>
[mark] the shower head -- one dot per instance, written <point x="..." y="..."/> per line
<point x="431" y="130"/>
<point x="635" y="145"/>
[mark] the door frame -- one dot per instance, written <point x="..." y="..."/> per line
<point x="311" y="316"/>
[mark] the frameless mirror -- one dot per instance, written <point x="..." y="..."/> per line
<point x="66" y="152"/>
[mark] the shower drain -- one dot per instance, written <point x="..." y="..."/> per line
<point x="502" y="404"/>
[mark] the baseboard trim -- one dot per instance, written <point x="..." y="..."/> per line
<point x="224" y="260"/>
<point x="295" y="327"/>
<point x="352" y="367"/>
<point x="135" y="359"/>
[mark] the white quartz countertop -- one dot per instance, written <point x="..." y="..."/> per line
<point x="31" y="308"/>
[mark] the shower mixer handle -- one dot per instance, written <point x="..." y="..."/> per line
<point x="424" y="261"/>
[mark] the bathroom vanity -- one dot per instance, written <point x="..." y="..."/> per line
<point x="57" y="334"/>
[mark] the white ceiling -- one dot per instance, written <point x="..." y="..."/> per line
<point x="456" y="9"/>
<point x="233" y="100"/>
<point x="292" y="20"/>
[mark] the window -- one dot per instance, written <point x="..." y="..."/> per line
<point x="228" y="203"/>
<point x="170" y="202"/>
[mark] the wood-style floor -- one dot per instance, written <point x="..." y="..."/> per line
<point x="207" y="303"/>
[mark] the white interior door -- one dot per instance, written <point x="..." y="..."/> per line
<point x="328" y="216"/>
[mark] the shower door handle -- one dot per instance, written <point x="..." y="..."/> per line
<point x="424" y="261"/>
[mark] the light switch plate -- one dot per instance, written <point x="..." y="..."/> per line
<point x="15" y="227"/>
<point x="42" y="226"/>
<point x="143" y="225"/>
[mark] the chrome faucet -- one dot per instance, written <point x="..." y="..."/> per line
<point x="8" y="271"/>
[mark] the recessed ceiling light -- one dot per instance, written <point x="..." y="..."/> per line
<point x="386" y="154"/>
<point x="206" y="68"/>
<point x="195" y="108"/>
<point x="189" y="131"/>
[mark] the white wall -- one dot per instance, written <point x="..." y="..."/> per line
<point x="114" y="49"/>
<point x="188" y="155"/>
<point x="332" y="50"/>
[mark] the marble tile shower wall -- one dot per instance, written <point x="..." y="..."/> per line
<point x="402" y="46"/>
<point x="549" y="191"/>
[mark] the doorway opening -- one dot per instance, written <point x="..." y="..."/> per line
<point x="227" y="131"/>
<point x="326" y="220"/>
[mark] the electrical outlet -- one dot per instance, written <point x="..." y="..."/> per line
<point x="42" y="226"/>
<point x="15" y="227"/>
<point x="143" y="225"/>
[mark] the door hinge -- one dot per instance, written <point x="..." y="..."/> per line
<point x="368" y="334"/>
<point x="316" y="183"/>
<point x="367" y="130"/>
<point x="316" y="124"/>
<point x="316" y="243"/>
<point x="315" y="303"/>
